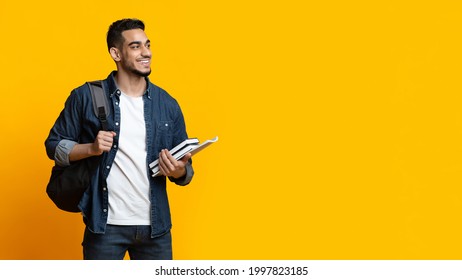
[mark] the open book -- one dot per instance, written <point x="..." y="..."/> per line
<point x="190" y="145"/>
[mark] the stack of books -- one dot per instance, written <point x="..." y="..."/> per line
<point x="190" y="145"/>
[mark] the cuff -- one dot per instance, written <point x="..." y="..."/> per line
<point x="62" y="152"/>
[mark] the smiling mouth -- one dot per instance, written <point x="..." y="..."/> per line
<point x="145" y="61"/>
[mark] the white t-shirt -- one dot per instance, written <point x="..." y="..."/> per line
<point x="128" y="183"/>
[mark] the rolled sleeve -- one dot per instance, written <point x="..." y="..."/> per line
<point x="62" y="152"/>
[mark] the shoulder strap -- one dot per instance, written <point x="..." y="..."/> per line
<point x="100" y="102"/>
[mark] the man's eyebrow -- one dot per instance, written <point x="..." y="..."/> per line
<point x="138" y="42"/>
<point x="134" y="43"/>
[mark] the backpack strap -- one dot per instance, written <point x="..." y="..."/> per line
<point x="100" y="102"/>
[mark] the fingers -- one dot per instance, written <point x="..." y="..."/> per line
<point x="169" y="166"/>
<point x="166" y="162"/>
<point x="103" y="142"/>
<point x="162" y="165"/>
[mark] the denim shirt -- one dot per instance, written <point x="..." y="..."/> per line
<point x="77" y="123"/>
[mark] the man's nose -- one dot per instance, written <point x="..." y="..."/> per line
<point x="145" y="51"/>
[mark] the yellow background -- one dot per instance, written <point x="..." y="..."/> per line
<point x="339" y="123"/>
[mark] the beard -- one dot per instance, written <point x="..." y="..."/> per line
<point x="131" y="69"/>
<point x="139" y="73"/>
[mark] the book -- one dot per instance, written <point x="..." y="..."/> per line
<point x="178" y="147"/>
<point x="199" y="147"/>
<point x="182" y="149"/>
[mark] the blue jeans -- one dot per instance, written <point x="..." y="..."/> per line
<point x="136" y="240"/>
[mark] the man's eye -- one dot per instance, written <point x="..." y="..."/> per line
<point x="135" y="47"/>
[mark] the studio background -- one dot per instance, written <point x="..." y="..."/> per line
<point x="339" y="124"/>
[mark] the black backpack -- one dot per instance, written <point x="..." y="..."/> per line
<point x="68" y="184"/>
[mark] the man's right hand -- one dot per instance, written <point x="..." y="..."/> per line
<point x="103" y="142"/>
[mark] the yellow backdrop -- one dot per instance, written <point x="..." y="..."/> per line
<point x="340" y="123"/>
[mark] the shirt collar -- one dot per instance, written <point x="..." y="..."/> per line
<point x="114" y="90"/>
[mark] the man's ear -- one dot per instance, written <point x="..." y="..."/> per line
<point x="115" y="54"/>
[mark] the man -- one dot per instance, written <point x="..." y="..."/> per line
<point x="125" y="209"/>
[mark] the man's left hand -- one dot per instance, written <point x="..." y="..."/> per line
<point x="171" y="167"/>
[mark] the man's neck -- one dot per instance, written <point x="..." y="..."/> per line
<point x="130" y="84"/>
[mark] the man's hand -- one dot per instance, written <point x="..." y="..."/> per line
<point x="171" y="167"/>
<point x="103" y="142"/>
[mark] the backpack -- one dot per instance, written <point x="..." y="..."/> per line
<point x="67" y="185"/>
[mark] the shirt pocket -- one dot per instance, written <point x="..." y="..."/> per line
<point x="164" y="135"/>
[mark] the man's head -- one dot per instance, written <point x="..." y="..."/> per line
<point x="129" y="46"/>
<point x="114" y="34"/>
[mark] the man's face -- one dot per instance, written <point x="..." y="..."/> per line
<point x="136" y="53"/>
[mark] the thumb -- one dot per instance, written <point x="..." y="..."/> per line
<point x="186" y="158"/>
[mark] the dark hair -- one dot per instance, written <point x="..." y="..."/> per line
<point x="114" y="34"/>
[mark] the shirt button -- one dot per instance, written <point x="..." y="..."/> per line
<point x="117" y="124"/>
<point x="115" y="146"/>
<point x="104" y="189"/>
<point x="166" y="124"/>
<point x="107" y="167"/>
<point x="117" y="103"/>
<point x="104" y="210"/>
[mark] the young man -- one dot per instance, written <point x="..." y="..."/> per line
<point x="125" y="209"/>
